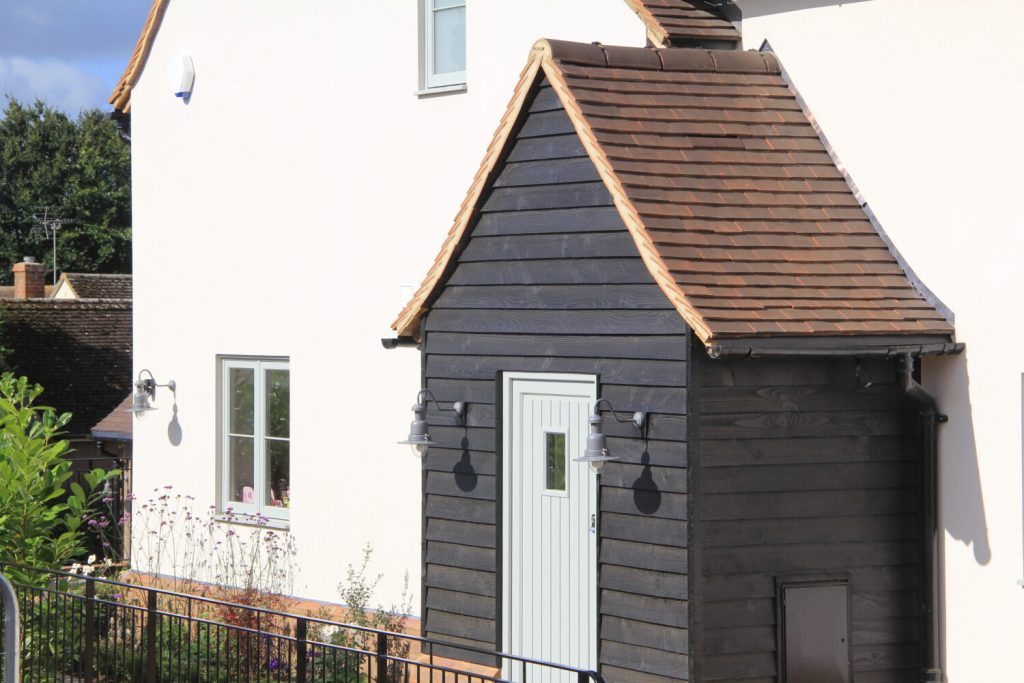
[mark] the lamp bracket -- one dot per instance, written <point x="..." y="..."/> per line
<point x="459" y="407"/>
<point x="639" y="418"/>
<point x="149" y="384"/>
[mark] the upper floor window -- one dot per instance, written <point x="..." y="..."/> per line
<point x="444" y="43"/>
<point x="255" y="428"/>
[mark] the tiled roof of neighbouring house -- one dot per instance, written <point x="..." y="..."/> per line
<point x="122" y="95"/>
<point x="98" y="286"/>
<point x="79" y="350"/>
<point x="118" y="424"/>
<point x="671" y="22"/>
<point x="736" y="207"/>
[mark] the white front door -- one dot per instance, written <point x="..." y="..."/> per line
<point x="549" y="586"/>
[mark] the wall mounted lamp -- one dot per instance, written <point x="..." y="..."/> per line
<point x="145" y="391"/>
<point x="419" y="437"/>
<point x="596" y="454"/>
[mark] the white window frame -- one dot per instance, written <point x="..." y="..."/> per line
<point x="433" y="81"/>
<point x="259" y="366"/>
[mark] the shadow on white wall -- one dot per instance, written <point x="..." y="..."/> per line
<point x="962" y="507"/>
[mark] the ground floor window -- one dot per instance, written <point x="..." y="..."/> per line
<point x="255" y="457"/>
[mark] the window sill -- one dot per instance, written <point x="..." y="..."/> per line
<point x="441" y="90"/>
<point x="239" y="519"/>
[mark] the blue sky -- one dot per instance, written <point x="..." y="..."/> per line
<point x="68" y="53"/>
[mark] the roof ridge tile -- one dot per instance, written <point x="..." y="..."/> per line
<point x="664" y="58"/>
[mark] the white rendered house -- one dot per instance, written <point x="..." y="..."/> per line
<point x="293" y="200"/>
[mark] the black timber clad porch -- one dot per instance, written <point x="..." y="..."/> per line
<point x="551" y="281"/>
<point x="798" y="470"/>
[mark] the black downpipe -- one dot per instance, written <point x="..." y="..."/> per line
<point x="930" y="418"/>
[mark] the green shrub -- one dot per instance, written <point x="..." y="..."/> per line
<point x="41" y="514"/>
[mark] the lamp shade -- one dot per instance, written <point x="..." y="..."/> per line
<point x="596" y="453"/>
<point x="419" y="438"/>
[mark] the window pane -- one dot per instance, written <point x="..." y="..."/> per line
<point x="277" y="403"/>
<point x="450" y="40"/>
<point x="441" y="4"/>
<point x="241" y="396"/>
<point x="240" y="461"/>
<point x="555" y="455"/>
<point x="278" y="479"/>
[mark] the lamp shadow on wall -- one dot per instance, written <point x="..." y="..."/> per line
<point x="646" y="495"/>
<point x="962" y="504"/>
<point x="764" y="8"/>
<point x="174" y="433"/>
<point x="466" y="477"/>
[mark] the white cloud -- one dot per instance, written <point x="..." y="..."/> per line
<point x="60" y="84"/>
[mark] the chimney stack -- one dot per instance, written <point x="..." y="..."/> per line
<point x="29" y="279"/>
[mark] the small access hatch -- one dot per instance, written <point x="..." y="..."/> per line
<point x="815" y="630"/>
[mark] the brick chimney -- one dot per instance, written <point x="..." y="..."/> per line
<point x="29" y="279"/>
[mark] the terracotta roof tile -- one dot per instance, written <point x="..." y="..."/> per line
<point x="735" y="205"/>
<point x="684" y="22"/>
<point x="121" y="97"/>
<point x="79" y="350"/>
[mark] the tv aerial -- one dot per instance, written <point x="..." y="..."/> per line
<point x="49" y="223"/>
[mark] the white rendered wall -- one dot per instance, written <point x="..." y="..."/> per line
<point x="923" y="102"/>
<point x="279" y="212"/>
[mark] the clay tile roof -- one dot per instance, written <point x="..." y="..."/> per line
<point x="79" y="350"/>
<point x="738" y="210"/>
<point x="118" y="424"/>
<point x="121" y="97"/>
<point x="99" y="286"/>
<point x="684" y="22"/>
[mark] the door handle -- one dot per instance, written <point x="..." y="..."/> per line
<point x="593" y="524"/>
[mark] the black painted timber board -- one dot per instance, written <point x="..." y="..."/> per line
<point x="546" y="172"/>
<point x="550" y="221"/>
<point x="634" y="347"/>
<point x="522" y="247"/>
<point x="553" y="297"/>
<point x="552" y="271"/>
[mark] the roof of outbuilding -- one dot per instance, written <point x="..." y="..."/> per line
<point x="736" y="207"/>
<point x="122" y="95"/>
<point x="117" y="425"/>
<point x="675" y="21"/>
<point x="79" y="350"/>
<point x="98" y="285"/>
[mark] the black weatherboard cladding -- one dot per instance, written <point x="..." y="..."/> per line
<point x="800" y="471"/>
<point x="551" y="281"/>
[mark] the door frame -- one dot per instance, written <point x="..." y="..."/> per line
<point x="505" y="380"/>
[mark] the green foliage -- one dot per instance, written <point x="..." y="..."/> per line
<point x="80" y="168"/>
<point x="41" y="514"/>
<point x="357" y="595"/>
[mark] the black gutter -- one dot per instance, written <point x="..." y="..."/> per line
<point x="120" y="437"/>
<point x="727" y="350"/>
<point x="930" y="417"/>
<point x="398" y="342"/>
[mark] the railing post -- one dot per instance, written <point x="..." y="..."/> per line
<point x="301" y="633"/>
<point x="12" y="632"/>
<point x="90" y="630"/>
<point x="151" y="623"/>
<point x="382" y="658"/>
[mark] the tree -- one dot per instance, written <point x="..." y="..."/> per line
<point x="82" y="170"/>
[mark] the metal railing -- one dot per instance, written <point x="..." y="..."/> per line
<point x="92" y="630"/>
